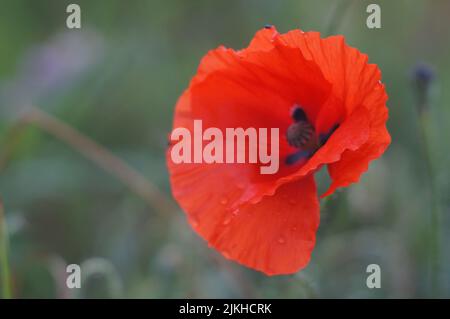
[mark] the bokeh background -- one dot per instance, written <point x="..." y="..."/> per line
<point x="117" y="80"/>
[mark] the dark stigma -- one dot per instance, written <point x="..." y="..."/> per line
<point x="298" y="114"/>
<point x="302" y="135"/>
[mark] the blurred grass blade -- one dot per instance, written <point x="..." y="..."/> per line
<point x="424" y="76"/>
<point x="436" y="218"/>
<point x="337" y="16"/>
<point x="4" y="262"/>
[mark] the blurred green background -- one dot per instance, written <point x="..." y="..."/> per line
<point x="117" y="81"/>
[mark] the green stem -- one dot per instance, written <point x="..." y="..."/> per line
<point x="4" y="262"/>
<point x="435" y="228"/>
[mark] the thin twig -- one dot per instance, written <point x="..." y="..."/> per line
<point x="95" y="153"/>
<point x="108" y="162"/>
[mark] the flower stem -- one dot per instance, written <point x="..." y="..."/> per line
<point x="91" y="150"/>
<point x="435" y="223"/>
<point x="4" y="262"/>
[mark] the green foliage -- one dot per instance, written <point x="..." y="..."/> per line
<point x="134" y="59"/>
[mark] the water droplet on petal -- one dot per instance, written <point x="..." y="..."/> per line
<point x="294" y="228"/>
<point x="224" y="201"/>
<point x="235" y="212"/>
<point x="281" y="240"/>
<point x="227" y="221"/>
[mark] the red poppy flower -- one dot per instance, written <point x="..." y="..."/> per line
<point x="330" y="108"/>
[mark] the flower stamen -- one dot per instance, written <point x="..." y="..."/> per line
<point x="302" y="135"/>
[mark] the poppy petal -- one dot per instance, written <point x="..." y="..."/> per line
<point x="275" y="236"/>
<point x="281" y="246"/>
<point x="229" y="89"/>
<point x="342" y="65"/>
<point x="353" y="163"/>
<point x="206" y="194"/>
<point x="351" y="135"/>
<point x="252" y="92"/>
<point x="222" y="57"/>
<point x="357" y="84"/>
<point x="268" y="222"/>
<point x="262" y="41"/>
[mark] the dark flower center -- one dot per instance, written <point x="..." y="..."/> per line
<point x="302" y="135"/>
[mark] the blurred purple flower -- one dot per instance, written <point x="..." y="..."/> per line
<point x="423" y="76"/>
<point x="49" y="68"/>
